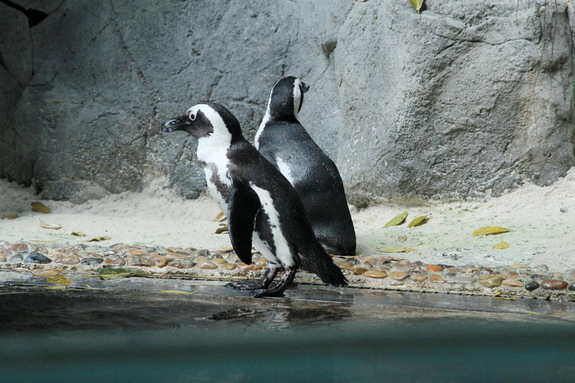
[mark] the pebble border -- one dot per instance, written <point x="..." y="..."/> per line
<point x="364" y="271"/>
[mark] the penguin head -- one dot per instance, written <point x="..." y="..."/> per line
<point x="206" y="120"/>
<point x="286" y="99"/>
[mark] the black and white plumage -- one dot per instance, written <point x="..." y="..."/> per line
<point x="287" y="145"/>
<point x="262" y="206"/>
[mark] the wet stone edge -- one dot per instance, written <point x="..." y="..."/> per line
<point x="364" y="271"/>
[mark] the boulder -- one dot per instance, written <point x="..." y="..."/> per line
<point x="460" y="100"/>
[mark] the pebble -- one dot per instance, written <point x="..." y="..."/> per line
<point x="461" y="280"/>
<point x="182" y="263"/>
<point x="37" y="258"/>
<point x="398" y="275"/>
<point x="512" y="283"/>
<point x="436" y="278"/>
<point x="137" y="260"/>
<point x="571" y="287"/>
<point x="2" y="258"/>
<point x="19" y="246"/>
<point x="434" y="268"/>
<point x="418" y="277"/>
<point x="115" y="260"/>
<point x="492" y="280"/>
<point x="160" y="260"/>
<point x="219" y="261"/>
<point x="531" y="285"/>
<point x="359" y="270"/>
<point x="554" y="284"/>
<point x="16" y="258"/>
<point x="229" y="266"/>
<point x="134" y="252"/>
<point x="91" y="261"/>
<point x="376" y="274"/>
<point x="208" y="265"/>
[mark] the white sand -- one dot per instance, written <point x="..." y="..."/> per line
<point x="542" y="220"/>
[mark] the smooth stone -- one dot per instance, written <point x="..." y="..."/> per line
<point x="136" y="260"/>
<point x="492" y="280"/>
<point x="91" y="261"/>
<point x="66" y="259"/>
<point x="346" y="265"/>
<point x="204" y="252"/>
<point x="201" y="259"/>
<point x="208" y="265"/>
<point x="376" y="274"/>
<point x="461" y="280"/>
<point x="418" y="277"/>
<point x="160" y="260"/>
<point x="398" y="275"/>
<point x="19" y="246"/>
<point x="134" y="252"/>
<point x="554" y="284"/>
<point x="452" y="270"/>
<point x="229" y="266"/>
<point x="2" y="258"/>
<point x="37" y="258"/>
<point x="16" y="258"/>
<point x="178" y="252"/>
<point x="512" y="282"/>
<point x="359" y="270"/>
<point x="571" y="287"/>
<point x="245" y="266"/>
<point x="532" y="285"/>
<point x="220" y="261"/>
<point x="115" y="260"/>
<point x="182" y="263"/>
<point x="434" y="268"/>
<point x="435" y="278"/>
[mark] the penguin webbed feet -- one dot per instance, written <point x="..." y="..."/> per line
<point x="260" y="288"/>
<point x="277" y="290"/>
<point x="263" y="283"/>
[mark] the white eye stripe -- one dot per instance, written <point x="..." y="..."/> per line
<point x="192" y="116"/>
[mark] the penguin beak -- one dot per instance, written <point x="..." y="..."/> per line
<point x="178" y="123"/>
<point x="304" y="87"/>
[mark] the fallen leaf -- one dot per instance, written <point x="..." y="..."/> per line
<point x="501" y="245"/>
<point x="40" y="208"/>
<point x="11" y="216"/>
<point x="120" y="272"/>
<point x="45" y="225"/>
<point x="220" y="218"/>
<point x="178" y="292"/>
<point x="98" y="239"/>
<point x="397" y="250"/>
<point x="490" y="230"/>
<point x="398" y="220"/>
<point x="58" y="279"/>
<point x="419" y="220"/>
<point x="57" y="287"/>
<point x="78" y="234"/>
<point x="417" y="4"/>
<point x="222" y="229"/>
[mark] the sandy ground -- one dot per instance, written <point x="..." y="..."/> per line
<point x="542" y="220"/>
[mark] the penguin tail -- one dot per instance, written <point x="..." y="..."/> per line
<point x="316" y="260"/>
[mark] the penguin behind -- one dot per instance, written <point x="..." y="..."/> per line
<point x="262" y="206"/>
<point x="287" y="145"/>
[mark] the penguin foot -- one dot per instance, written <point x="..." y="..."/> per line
<point x="263" y="283"/>
<point x="277" y="290"/>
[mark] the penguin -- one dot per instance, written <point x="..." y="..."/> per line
<point x="262" y="207"/>
<point x="283" y="141"/>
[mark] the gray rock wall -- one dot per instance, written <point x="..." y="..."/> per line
<point x="463" y="99"/>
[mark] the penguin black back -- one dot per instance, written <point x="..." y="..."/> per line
<point x="286" y="144"/>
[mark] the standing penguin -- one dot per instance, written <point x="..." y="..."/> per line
<point x="287" y="145"/>
<point x="261" y="205"/>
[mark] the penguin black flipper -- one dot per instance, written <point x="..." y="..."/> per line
<point x="243" y="207"/>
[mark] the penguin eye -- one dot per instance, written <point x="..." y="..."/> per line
<point x="192" y="117"/>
